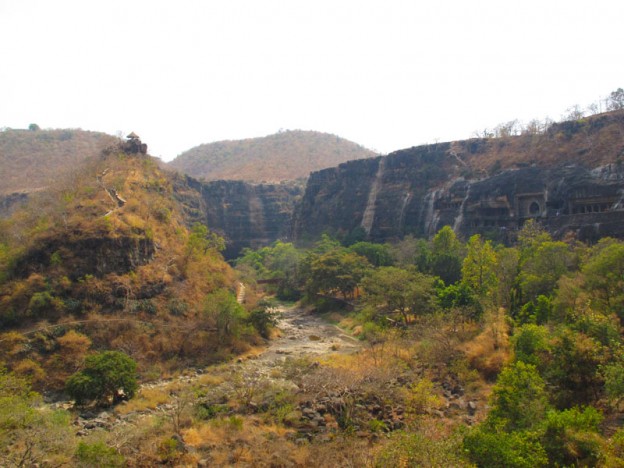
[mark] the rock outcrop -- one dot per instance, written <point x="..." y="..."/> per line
<point x="246" y="215"/>
<point x="97" y="256"/>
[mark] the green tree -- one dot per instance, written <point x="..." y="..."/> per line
<point x="263" y="318"/>
<point x="227" y="315"/>
<point x="538" y="310"/>
<point x="506" y="274"/>
<point x="394" y="291"/>
<point x="337" y="270"/>
<point x="283" y="262"/>
<point x="574" y="368"/>
<point x="107" y="377"/>
<point x="488" y="448"/>
<point x="542" y="264"/>
<point x="479" y="266"/>
<point x="531" y="345"/>
<point x="614" y="381"/>
<point x="571" y="437"/>
<point x="280" y="261"/>
<point x="446" y="260"/>
<point x="604" y="276"/>
<point x="530" y="237"/>
<point x="460" y="297"/>
<point x="377" y="254"/>
<point x="519" y="399"/>
<point x="201" y="240"/>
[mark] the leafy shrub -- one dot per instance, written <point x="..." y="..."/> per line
<point x="530" y="344"/>
<point x="460" y="296"/>
<point x="97" y="454"/>
<point x="614" y="381"/>
<point x="571" y="437"/>
<point x="499" y="448"/>
<point x="421" y="449"/>
<point x="518" y="398"/>
<point x="107" y="376"/>
<point x="263" y="319"/>
<point x="210" y="411"/>
<point x="536" y="311"/>
<point x="375" y="425"/>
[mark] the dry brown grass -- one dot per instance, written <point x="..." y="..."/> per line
<point x="147" y="398"/>
<point x="489" y="351"/>
<point x="591" y="141"/>
<point x="244" y="442"/>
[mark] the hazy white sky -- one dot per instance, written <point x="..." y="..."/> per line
<point x="387" y="74"/>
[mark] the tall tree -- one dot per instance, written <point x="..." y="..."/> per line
<point x="479" y="266"/>
<point x="394" y="291"/>
<point x="446" y="258"/>
<point x="337" y="270"/>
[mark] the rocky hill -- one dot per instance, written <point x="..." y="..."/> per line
<point x="112" y="256"/>
<point x="286" y="155"/>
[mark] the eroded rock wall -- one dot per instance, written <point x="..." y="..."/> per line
<point x="246" y="215"/>
<point x="419" y="190"/>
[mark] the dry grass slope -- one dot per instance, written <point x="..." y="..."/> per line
<point x="286" y="155"/>
<point x="32" y="160"/>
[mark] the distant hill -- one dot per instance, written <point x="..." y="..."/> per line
<point x="32" y="159"/>
<point x="284" y="156"/>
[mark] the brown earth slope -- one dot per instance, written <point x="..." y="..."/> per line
<point x="31" y="160"/>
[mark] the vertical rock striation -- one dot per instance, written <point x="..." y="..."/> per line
<point x="246" y="215"/>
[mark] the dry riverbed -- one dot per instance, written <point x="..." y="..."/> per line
<point x="301" y="334"/>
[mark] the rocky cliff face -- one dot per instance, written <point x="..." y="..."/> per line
<point x="97" y="256"/>
<point x="382" y="198"/>
<point x="246" y="215"/>
<point x="564" y="200"/>
<point x="419" y="190"/>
